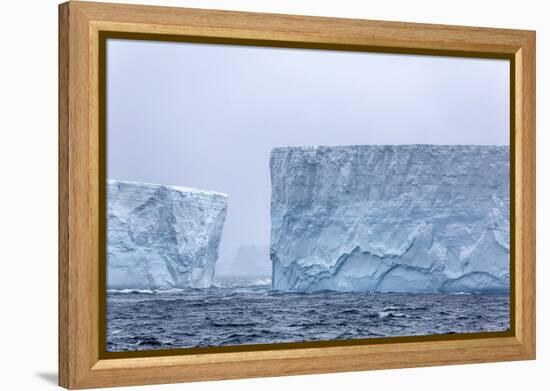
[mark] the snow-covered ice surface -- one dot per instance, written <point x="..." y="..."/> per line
<point x="398" y="218"/>
<point x="161" y="237"/>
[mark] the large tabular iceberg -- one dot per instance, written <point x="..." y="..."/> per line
<point x="162" y="236"/>
<point x="403" y="218"/>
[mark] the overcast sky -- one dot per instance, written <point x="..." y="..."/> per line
<point x="207" y="116"/>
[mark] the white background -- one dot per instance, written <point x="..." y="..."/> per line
<point x="28" y="200"/>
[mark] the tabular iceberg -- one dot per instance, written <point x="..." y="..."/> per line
<point x="162" y="236"/>
<point x="399" y="218"/>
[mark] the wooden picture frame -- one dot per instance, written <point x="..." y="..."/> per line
<point x="82" y="29"/>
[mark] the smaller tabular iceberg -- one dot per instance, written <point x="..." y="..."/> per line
<point x="162" y="236"/>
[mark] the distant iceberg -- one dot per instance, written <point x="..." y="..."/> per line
<point x="244" y="260"/>
<point x="397" y="218"/>
<point x="162" y="237"/>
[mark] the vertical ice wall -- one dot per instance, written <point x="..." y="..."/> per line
<point x="407" y="218"/>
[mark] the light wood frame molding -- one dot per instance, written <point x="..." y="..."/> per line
<point x="81" y="363"/>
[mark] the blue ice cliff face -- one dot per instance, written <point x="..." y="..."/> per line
<point x="403" y="218"/>
<point x="162" y="236"/>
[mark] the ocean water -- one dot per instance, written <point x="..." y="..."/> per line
<point x="247" y="311"/>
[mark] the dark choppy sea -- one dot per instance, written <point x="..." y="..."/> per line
<point x="240" y="311"/>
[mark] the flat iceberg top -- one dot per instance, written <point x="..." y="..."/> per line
<point x="125" y="196"/>
<point x="153" y="186"/>
<point x="442" y="147"/>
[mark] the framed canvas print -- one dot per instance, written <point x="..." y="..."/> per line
<point x="247" y="195"/>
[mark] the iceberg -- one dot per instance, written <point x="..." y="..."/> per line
<point x="244" y="260"/>
<point x="391" y="218"/>
<point x="162" y="237"/>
